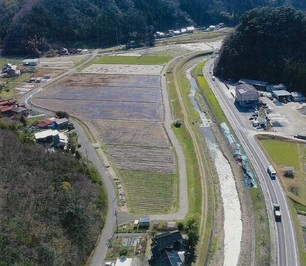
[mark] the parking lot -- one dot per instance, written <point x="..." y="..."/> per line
<point x="288" y="119"/>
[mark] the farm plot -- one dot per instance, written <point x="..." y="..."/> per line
<point x="137" y="81"/>
<point x="125" y="113"/>
<point x="124" y="69"/>
<point x="106" y="93"/>
<point x="149" y="159"/>
<point x="106" y="110"/>
<point x="139" y="133"/>
<point x="149" y="193"/>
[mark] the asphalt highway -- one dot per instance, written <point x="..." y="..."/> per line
<point x="283" y="240"/>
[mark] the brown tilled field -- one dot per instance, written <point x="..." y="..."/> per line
<point x="136" y="133"/>
<point x="126" y="114"/>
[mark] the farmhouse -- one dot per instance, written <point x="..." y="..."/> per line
<point x="211" y="28"/>
<point x="60" y="140"/>
<point x="46" y="135"/>
<point x="61" y="122"/>
<point x="246" y="95"/>
<point x="20" y="110"/>
<point x="190" y="29"/>
<point x="10" y="70"/>
<point x="45" y="123"/>
<point x="7" y="106"/>
<point x="169" y="249"/>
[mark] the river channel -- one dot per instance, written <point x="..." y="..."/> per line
<point x="229" y="194"/>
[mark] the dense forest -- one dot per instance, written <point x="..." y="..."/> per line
<point x="50" y="209"/>
<point x="31" y="27"/>
<point x="269" y="45"/>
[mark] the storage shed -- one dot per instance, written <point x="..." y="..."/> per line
<point x="276" y="87"/>
<point x="30" y="62"/>
<point x="144" y="222"/>
<point x="281" y="95"/>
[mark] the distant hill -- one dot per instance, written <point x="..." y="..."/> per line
<point x="51" y="212"/>
<point x="30" y="27"/>
<point x="269" y="45"/>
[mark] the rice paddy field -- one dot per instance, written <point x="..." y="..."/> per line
<point x="125" y="114"/>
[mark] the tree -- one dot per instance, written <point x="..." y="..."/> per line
<point x="62" y="114"/>
<point x="23" y="120"/>
<point x="269" y="44"/>
<point x="192" y="232"/>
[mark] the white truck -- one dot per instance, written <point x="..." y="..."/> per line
<point x="277" y="212"/>
<point x="271" y="172"/>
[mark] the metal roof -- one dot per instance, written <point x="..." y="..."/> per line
<point x="46" y="133"/>
<point x="279" y="93"/>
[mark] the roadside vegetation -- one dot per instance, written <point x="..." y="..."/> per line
<point x="286" y="152"/>
<point x="262" y="241"/>
<point x="53" y="206"/>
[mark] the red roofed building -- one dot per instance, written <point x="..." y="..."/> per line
<point x="45" y="123"/>
<point x="7" y="106"/>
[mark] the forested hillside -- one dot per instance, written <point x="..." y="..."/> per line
<point x="30" y="27"/>
<point x="270" y="45"/>
<point x="50" y="210"/>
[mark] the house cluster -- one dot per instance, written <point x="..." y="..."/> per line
<point x="171" y="33"/>
<point x="169" y="249"/>
<point x="248" y="92"/>
<point x="12" y="107"/>
<point x="215" y="27"/>
<point x="52" y="130"/>
<point x="9" y="70"/>
<point x="67" y="51"/>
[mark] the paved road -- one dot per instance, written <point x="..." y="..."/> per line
<point x="283" y="243"/>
